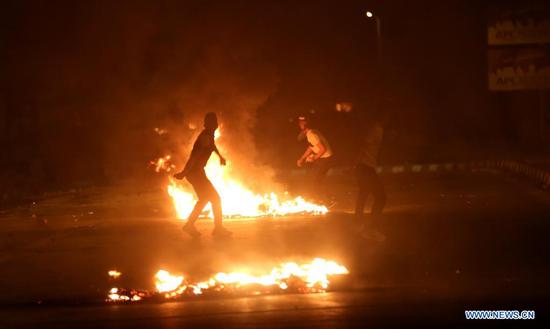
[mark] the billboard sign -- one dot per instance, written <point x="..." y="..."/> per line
<point x="518" y="31"/>
<point x="519" y="68"/>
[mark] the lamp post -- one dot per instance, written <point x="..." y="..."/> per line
<point x="370" y="14"/>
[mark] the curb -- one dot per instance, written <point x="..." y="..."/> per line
<point x="537" y="175"/>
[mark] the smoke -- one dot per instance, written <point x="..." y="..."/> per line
<point x="87" y="83"/>
<point x="180" y="71"/>
<point x="84" y="84"/>
<point x="234" y="85"/>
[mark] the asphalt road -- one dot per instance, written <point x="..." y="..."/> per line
<point x="454" y="242"/>
<point x="386" y="308"/>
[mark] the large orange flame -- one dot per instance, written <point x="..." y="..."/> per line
<point x="308" y="277"/>
<point x="238" y="200"/>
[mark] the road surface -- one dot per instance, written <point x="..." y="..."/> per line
<point x="455" y="241"/>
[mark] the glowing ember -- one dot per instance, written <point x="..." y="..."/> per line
<point x="160" y="131"/>
<point x="163" y="164"/>
<point x="308" y="278"/>
<point x="114" y="274"/>
<point x="122" y="295"/>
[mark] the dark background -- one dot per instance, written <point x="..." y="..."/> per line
<point x="84" y="83"/>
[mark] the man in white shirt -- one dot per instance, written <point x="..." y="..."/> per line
<point x="318" y="153"/>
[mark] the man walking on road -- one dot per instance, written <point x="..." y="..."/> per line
<point x="195" y="174"/>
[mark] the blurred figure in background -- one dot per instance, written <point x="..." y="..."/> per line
<point x="318" y="155"/>
<point x="195" y="174"/>
<point x="368" y="180"/>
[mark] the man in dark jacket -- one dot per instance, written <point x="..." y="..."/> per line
<point x="368" y="180"/>
<point x="195" y="174"/>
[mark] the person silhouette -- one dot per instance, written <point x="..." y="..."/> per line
<point x="194" y="173"/>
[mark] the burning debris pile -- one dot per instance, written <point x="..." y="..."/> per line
<point x="237" y="200"/>
<point x="287" y="277"/>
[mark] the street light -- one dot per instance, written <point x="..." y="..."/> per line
<point x="370" y="14"/>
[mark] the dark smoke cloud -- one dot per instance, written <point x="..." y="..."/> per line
<point x="84" y="83"/>
<point x="97" y="77"/>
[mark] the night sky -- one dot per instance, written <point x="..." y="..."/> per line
<point x="84" y="83"/>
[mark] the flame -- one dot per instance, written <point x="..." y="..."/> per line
<point x="163" y="164"/>
<point x="114" y="296"/>
<point x="237" y="200"/>
<point x="121" y="295"/>
<point x="167" y="282"/>
<point x="308" y="277"/>
<point x="114" y="274"/>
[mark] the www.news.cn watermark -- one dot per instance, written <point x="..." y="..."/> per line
<point x="499" y="315"/>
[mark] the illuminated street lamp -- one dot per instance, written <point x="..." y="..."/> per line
<point x="370" y="14"/>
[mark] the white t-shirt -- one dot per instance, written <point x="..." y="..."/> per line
<point x="314" y="138"/>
